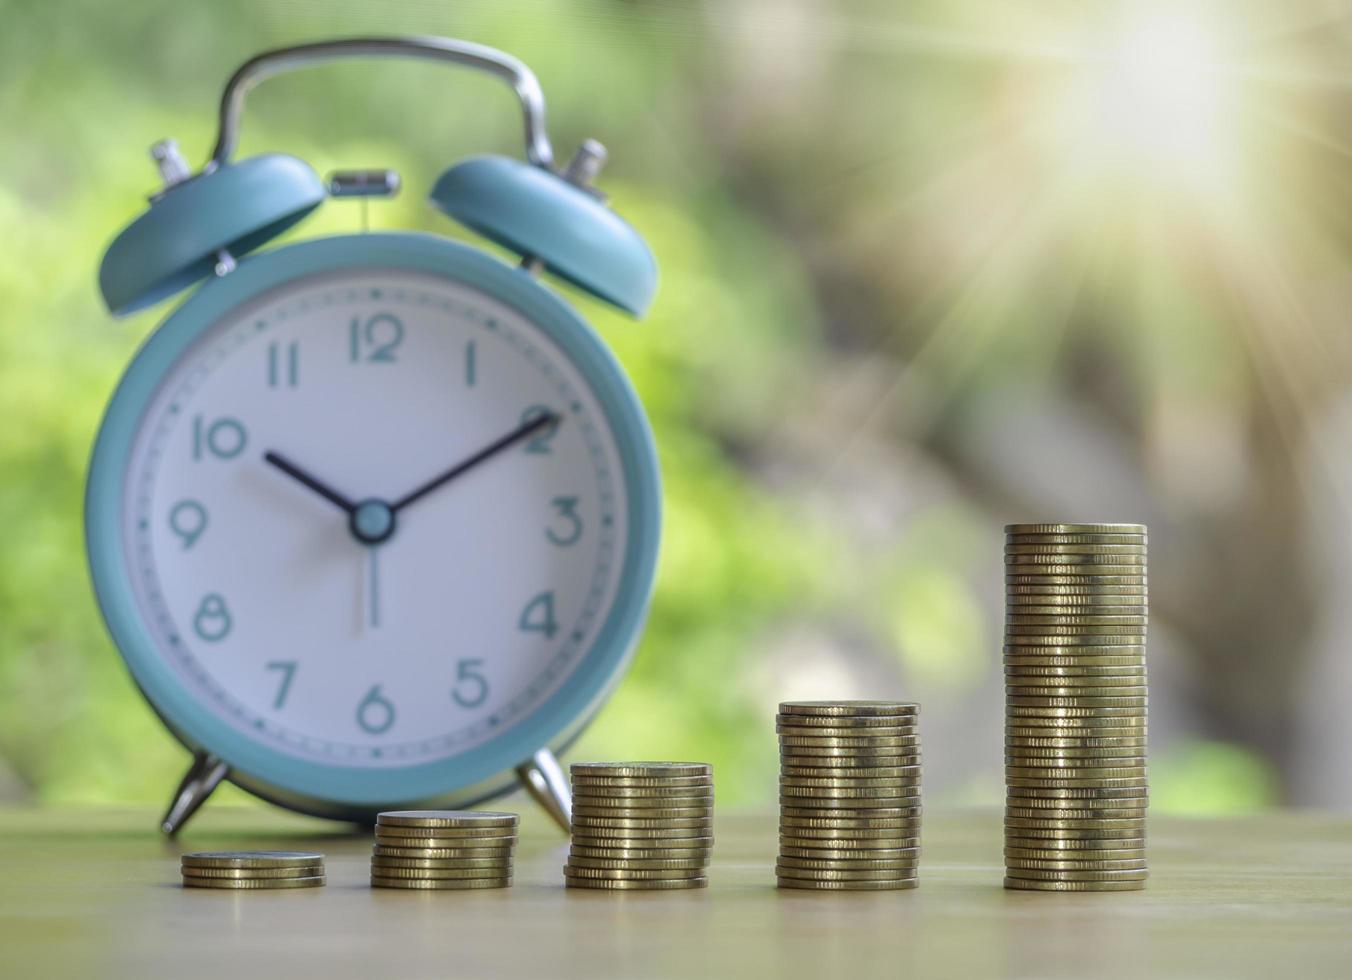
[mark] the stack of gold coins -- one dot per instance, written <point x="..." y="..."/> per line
<point x="239" y="870"/>
<point x="1075" y="714"/>
<point x="445" y="850"/>
<point x="640" y="825"/>
<point x="849" y="795"/>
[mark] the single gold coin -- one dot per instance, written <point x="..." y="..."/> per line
<point x="632" y="884"/>
<point x="1074" y="886"/>
<point x="644" y="792"/>
<point x="1092" y="590"/>
<point x="639" y="782"/>
<point x="835" y="791"/>
<point x="1060" y="845"/>
<point x="840" y="859"/>
<point x="1085" y="793"/>
<point x="1113" y="726"/>
<point x="1074" y="548"/>
<point x="437" y="874"/>
<point x="851" y="758"/>
<point x="252" y="884"/>
<point x="1017" y="561"/>
<point x="1079" y="813"/>
<point x="807" y="884"/>
<point x="458" y="819"/>
<point x="1133" y="874"/>
<point x="1075" y="755"/>
<point x="1088" y="771"/>
<point x="1016" y="866"/>
<point x="704" y="800"/>
<point x="1075" y="529"/>
<point x="1053" y="743"/>
<point x="1084" y="537"/>
<point x="902" y="813"/>
<point x="781" y="871"/>
<point x="851" y="823"/>
<point x="1017" y="645"/>
<point x="1075" y="661"/>
<point x="843" y="772"/>
<point x="627" y="854"/>
<point x="251" y="859"/>
<point x="898" y="776"/>
<point x="431" y="864"/>
<point x="1101" y="577"/>
<point x="440" y="884"/>
<point x="637" y="864"/>
<point x="640" y="833"/>
<point x="644" y="813"/>
<point x="1022" y="711"/>
<point x="446" y="833"/>
<point x="1018" y="683"/>
<point x="849" y="708"/>
<point x="852" y="722"/>
<point x="807" y="731"/>
<point x="590" y="824"/>
<point x="633" y="874"/>
<point x="863" y="742"/>
<point x="896" y="840"/>
<point x="443" y="853"/>
<point x="1136" y="832"/>
<point x="1096" y="824"/>
<point x="304" y="871"/>
<point x="851" y="802"/>
<point x="1017" y="617"/>
<point x="1059" y="854"/>
<point x="650" y="770"/>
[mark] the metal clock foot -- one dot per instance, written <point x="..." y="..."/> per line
<point x="545" y="779"/>
<point x="199" y="782"/>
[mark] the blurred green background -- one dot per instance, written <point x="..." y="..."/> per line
<point x="927" y="268"/>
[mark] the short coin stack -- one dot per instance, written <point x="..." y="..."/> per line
<point x="1075" y="707"/>
<point x="849" y="795"/>
<point x="252" y="870"/>
<point x="641" y="825"/>
<point x="443" y="850"/>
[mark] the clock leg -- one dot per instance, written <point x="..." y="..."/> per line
<point x="201" y="779"/>
<point x="545" y="779"/>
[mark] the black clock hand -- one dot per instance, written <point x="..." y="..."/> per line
<point x="299" y="475"/>
<point x="527" y="428"/>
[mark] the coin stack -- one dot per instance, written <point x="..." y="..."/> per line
<point x="640" y="825"/>
<point x="444" y="850"/>
<point x="1075" y="707"/>
<point x="849" y="795"/>
<point x="252" y="870"/>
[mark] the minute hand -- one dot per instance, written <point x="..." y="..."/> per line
<point x="527" y="428"/>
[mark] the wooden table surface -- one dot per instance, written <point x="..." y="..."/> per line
<point x="95" y="894"/>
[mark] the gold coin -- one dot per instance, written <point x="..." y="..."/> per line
<point x="438" y="874"/>
<point x="633" y="874"/>
<point x="1076" y="834"/>
<point x="1019" y="618"/>
<point x="1123" y="803"/>
<point x="1058" y="645"/>
<point x="1063" y="686"/>
<point x="432" y="864"/>
<point x="1130" y="755"/>
<point x="1023" y="711"/>
<point x="849" y="708"/>
<point x="1077" y="792"/>
<point x="303" y="871"/>
<point x="252" y="884"/>
<point x="1069" y="591"/>
<point x="447" y="833"/>
<point x="851" y="823"/>
<point x="899" y="813"/>
<point x="443" y="853"/>
<point x="892" y="840"/>
<point x="1074" y="674"/>
<point x="782" y="871"/>
<point x="1075" y="529"/>
<point x="1074" y="772"/>
<point x="805" y="731"/>
<point x="842" y="772"/>
<point x="1089" y="813"/>
<point x="903" y="785"/>
<point x="1114" y="726"/>
<point x="630" y="884"/>
<point x="850" y="802"/>
<point x="590" y="833"/>
<point x="864" y="742"/>
<point x="1044" y="605"/>
<point x="1096" y="824"/>
<point x="640" y="864"/>
<point x="1075" y="661"/>
<point x="1019" y="560"/>
<point x="251" y="859"/>
<point x="843" y="859"/>
<point x="1055" y="743"/>
<point x="1058" y="845"/>
<point x="1085" y="577"/>
<point x="1074" y="886"/>
<point x="1016" y="866"/>
<point x="1084" y="537"/>
<point x="1056" y="549"/>
<point x="651" y="770"/>
<point x="806" y="884"/>
<point x="644" y="792"/>
<point x="638" y="822"/>
<point x="850" y="758"/>
<point x="458" y="819"/>
<point x="1057" y="854"/>
<point x="626" y="853"/>
<point x="703" y="804"/>
<point x="640" y="782"/>
<point x="1132" y="874"/>
<point x="644" y="813"/>
<point x="440" y="884"/>
<point x="904" y="776"/>
<point x="852" y="722"/>
<point x="821" y="868"/>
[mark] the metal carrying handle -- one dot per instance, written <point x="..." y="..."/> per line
<point x="495" y="62"/>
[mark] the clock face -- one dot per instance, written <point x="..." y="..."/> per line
<point x="297" y="565"/>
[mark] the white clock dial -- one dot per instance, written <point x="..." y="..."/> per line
<point x="331" y="642"/>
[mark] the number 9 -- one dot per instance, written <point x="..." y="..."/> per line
<point x="188" y="520"/>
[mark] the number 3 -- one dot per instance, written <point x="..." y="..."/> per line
<point x="567" y="508"/>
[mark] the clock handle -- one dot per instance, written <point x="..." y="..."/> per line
<point x="199" y="782"/>
<point x="478" y="56"/>
<point x="545" y="779"/>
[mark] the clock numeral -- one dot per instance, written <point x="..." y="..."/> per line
<point x="375" y="713"/>
<point x="288" y="671"/>
<point x="188" y="519"/>
<point x="539" y="444"/>
<point x="224" y="438"/>
<point x="538" y="616"/>
<point x="212" y="620"/>
<point x="471" y="363"/>
<point x="471" y="687"/>
<point x="567" y="508"/>
<point x="376" y="340"/>
<point x="283" y="365"/>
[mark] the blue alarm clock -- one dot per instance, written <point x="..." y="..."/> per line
<point x="373" y="519"/>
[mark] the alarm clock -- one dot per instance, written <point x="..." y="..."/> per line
<point x="373" y="519"/>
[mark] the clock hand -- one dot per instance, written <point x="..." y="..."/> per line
<point x="527" y="428"/>
<point x="299" y="475"/>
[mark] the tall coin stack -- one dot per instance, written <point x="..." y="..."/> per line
<point x="640" y="825"/>
<point x="443" y="850"/>
<point x="1075" y="707"/>
<point x="849" y="795"/>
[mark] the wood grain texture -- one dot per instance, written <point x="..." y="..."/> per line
<point x="96" y="894"/>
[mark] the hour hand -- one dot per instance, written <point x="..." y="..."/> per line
<point x="306" y="479"/>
